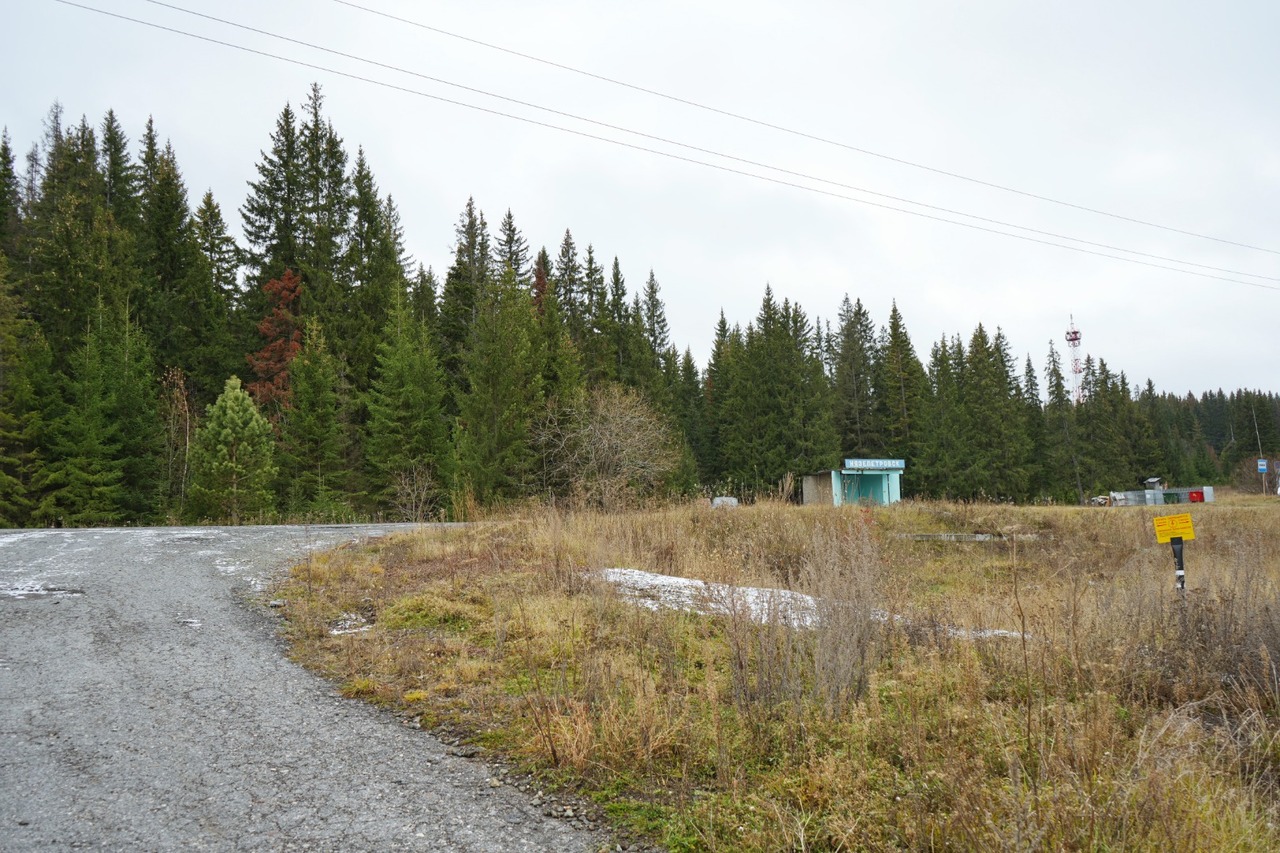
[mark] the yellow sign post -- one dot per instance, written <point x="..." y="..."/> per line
<point x="1170" y="527"/>
<point x="1175" y="529"/>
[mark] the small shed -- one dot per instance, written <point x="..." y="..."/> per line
<point x="876" y="481"/>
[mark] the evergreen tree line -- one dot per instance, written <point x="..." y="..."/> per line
<point x="152" y="367"/>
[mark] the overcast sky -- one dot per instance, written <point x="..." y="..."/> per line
<point x="1166" y="112"/>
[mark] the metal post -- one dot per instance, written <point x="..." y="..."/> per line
<point x="1180" y="572"/>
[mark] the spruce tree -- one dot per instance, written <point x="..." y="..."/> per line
<point x="10" y="199"/>
<point x="311" y="447"/>
<point x="995" y="441"/>
<point x="227" y="332"/>
<point x="900" y="387"/>
<point x="1033" y="425"/>
<point x="325" y="218"/>
<point x="24" y="360"/>
<point x="567" y="281"/>
<point x="502" y="395"/>
<point x="374" y="270"/>
<point x="512" y="250"/>
<point x="597" y="356"/>
<point x="232" y="465"/>
<point x="273" y="213"/>
<point x="120" y="174"/>
<point x="422" y="297"/>
<point x="943" y="453"/>
<point x="407" y="436"/>
<point x="717" y="414"/>
<point x="465" y="286"/>
<point x="1062" y="457"/>
<point x="177" y="303"/>
<point x="76" y="257"/>
<point x="778" y="410"/>
<point x="854" y="359"/>
<point x="80" y="483"/>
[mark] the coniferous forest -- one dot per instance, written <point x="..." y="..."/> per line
<point x="155" y="367"/>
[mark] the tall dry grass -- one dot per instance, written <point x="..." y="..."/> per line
<point x="1120" y="714"/>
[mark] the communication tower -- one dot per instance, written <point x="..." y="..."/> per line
<point x="1073" y="341"/>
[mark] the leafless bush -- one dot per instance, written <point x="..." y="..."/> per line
<point x="179" y="433"/>
<point x="608" y="450"/>
<point x="841" y="572"/>
<point x="823" y="655"/>
<point x="416" y="493"/>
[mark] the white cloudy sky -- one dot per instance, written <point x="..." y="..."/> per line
<point x="1166" y="112"/>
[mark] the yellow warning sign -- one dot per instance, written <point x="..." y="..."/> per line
<point x="1174" y="526"/>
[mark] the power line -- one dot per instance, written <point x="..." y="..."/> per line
<point x="701" y="150"/>
<point x="800" y="133"/>
<point x="660" y="153"/>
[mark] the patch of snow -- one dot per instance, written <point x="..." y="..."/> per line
<point x="349" y="623"/>
<point x="36" y="590"/>
<point x="760" y="604"/>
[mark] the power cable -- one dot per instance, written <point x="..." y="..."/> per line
<point x="701" y="150"/>
<point x="660" y="153"/>
<point x="802" y="134"/>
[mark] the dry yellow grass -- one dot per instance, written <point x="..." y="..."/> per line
<point x="1129" y="717"/>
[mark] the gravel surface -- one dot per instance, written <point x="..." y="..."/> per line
<point x="146" y="704"/>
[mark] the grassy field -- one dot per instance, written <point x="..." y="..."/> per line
<point x="1119" y="715"/>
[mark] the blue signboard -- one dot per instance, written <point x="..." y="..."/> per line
<point x="874" y="464"/>
<point x="1262" y="466"/>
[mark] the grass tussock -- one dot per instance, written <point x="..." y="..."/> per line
<point x="1118" y="714"/>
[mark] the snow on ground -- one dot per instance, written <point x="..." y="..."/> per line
<point x="655" y="591"/>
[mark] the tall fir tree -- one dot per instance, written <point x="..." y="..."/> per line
<point x="311" y="441"/>
<point x="10" y="198"/>
<point x="375" y="271"/>
<point x="232" y="467"/>
<point x="273" y="213"/>
<point x="76" y="256"/>
<point x="597" y="356"/>
<point x="853" y="378"/>
<point x="512" y="250"/>
<point x="465" y="286"/>
<point x="943" y="453"/>
<point x="1033" y="424"/>
<point x="719" y="406"/>
<point x="1062" y="457"/>
<point x="325" y="214"/>
<point x="778" y="407"/>
<point x="120" y="175"/>
<point x="900" y="387"/>
<point x="407" y="436"/>
<point x="220" y="349"/>
<point x="80" y="483"/>
<point x="422" y="297"/>
<point x="619" y="322"/>
<point x="24" y="378"/>
<point x="567" y="282"/>
<point x="502" y="396"/>
<point x="995" y="441"/>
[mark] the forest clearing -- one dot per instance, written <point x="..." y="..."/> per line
<point x="1047" y="688"/>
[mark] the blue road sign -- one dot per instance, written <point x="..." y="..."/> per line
<point x="1262" y="466"/>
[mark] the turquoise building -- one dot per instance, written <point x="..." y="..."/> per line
<point x="873" y="481"/>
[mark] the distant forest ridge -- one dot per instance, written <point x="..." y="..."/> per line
<point x="154" y="367"/>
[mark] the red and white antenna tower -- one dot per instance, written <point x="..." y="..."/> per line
<point x="1073" y="341"/>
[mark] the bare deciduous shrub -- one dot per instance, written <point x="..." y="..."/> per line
<point x="819" y="654"/>
<point x="608" y="450"/>
<point x="416" y="493"/>
<point x="842" y="573"/>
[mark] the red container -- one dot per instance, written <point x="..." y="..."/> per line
<point x="1196" y="496"/>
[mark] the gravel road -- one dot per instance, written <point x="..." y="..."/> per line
<point x="146" y="704"/>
